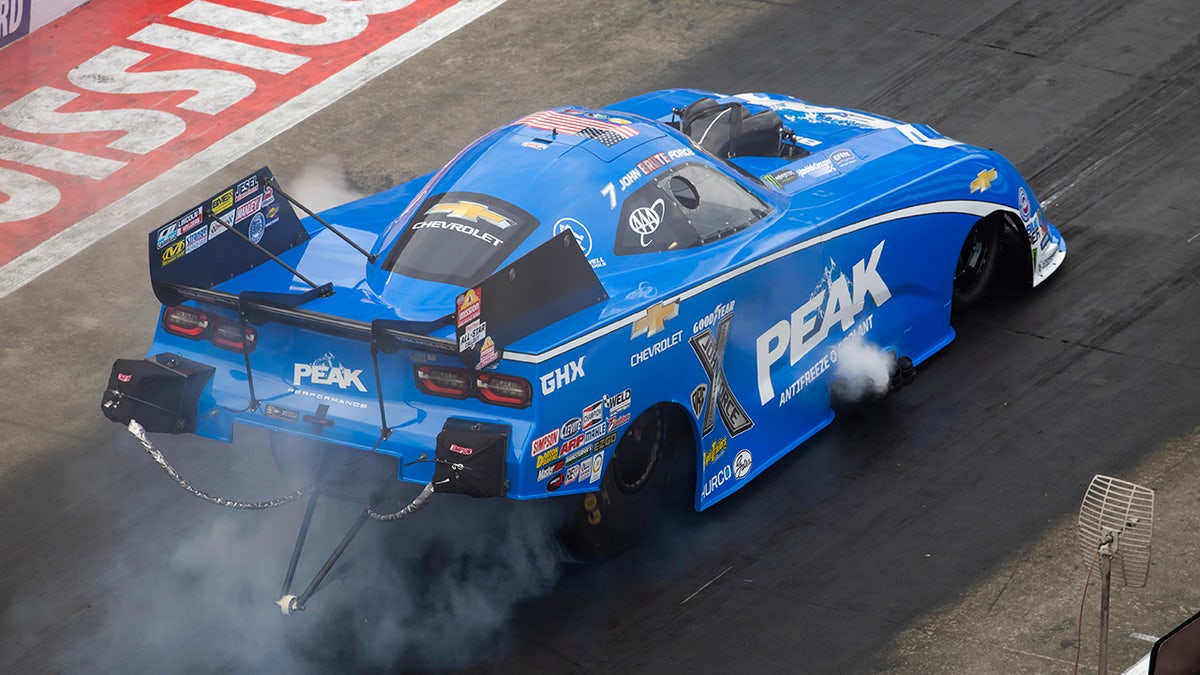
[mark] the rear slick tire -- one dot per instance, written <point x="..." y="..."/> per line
<point x="606" y="523"/>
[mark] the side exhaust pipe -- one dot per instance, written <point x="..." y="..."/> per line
<point x="901" y="372"/>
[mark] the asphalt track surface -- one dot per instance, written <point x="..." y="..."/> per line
<point x="930" y="533"/>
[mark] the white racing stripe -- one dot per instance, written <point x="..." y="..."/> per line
<point x="61" y="247"/>
<point x="962" y="206"/>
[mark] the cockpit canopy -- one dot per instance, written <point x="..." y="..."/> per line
<point x="623" y="185"/>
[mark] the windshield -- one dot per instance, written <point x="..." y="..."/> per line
<point x="459" y="238"/>
<point x="690" y="205"/>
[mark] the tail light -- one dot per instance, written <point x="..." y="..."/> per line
<point x="503" y="389"/>
<point x="196" y="324"/>
<point x="442" y="381"/>
<point x="186" y="321"/>
<point x="494" y="388"/>
<point x="233" y="336"/>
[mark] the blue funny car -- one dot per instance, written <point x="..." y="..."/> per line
<point x="583" y="291"/>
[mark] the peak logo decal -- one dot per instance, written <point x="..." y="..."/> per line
<point x="711" y="353"/>
<point x="326" y="370"/>
<point x="836" y="301"/>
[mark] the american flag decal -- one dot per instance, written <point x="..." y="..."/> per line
<point x="608" y="133"/>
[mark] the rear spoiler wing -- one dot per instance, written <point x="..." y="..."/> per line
<point x="252" y="221"/>
<point x="232" y="232"/>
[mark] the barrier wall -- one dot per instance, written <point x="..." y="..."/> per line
<point x="18" y="18"/>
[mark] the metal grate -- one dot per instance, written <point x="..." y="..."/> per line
<point x="1119" y="515"/>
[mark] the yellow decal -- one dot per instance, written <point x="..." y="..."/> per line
<point x="652" y="322"/>
<point x="718" y="449"/>
<point x="472" y="212"/>
<point x="983" y="181"/>
<point x="222" y="202"/>
<point x="174" y="251"/>
<point x="547" y="457"/>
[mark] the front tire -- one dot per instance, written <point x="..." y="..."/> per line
<point x="977" y="262"/>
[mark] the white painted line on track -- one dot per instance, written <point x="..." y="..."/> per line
<point x="710" y="583"/>
<point x="64" y="245"/>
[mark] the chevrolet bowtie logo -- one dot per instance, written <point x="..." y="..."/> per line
<point x="472" y="212"/>
<point x="657" y="315"/>
<point x="983" y="181"/>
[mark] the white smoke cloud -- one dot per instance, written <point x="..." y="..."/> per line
<point x="322" y="185"/>
<point x="433" y="592"/>
<point x="862" y="370"/>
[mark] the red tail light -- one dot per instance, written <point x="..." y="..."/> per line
<point x="196" y="324"/>
<point x="442" y="381"/>
<point x="494" y="388"/>
<point x="186" y="321"/>
<point x="233" y="336"/>
<point x="503" y="389"/>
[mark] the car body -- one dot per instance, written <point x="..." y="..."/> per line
<point x="730" y="249"/>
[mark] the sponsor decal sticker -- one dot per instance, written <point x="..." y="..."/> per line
<point x="461" y="449"/>
<point x="547" y="457"/>
<point x="742" y="463"/>
<point x="618" y="402"/>
<point x="258" y="226"/>
<point x="720" y="399"/>
<point x="196" y="239"/>
<point x="472" y="334"/>
<point x="244" y="188"/>
<point x="571" y="474"/>
<point x="984" y="180"/>
<point x="244" y="210"/>
<point x="602" y="443"/>
<point x="562" y="376"/>
<point x="275" y="412"/>
<point x="571" y="444"/>
<point x="222" y="202"/>
<point x="328" y="371"/>
<point x="576" y="454"/>
<point x="582" y="236"/>
<point x="174" y="252"/>
<point x="594" y="432"/>
<point x="652" y="320"/>
<point x="781" y="177"/>
<point x="549" y="471"/>
<point x="615" y="422"/>
<point x="843" y="157"/>
<point x="471" y="211"/>
<point x="554" y="483"/>
<point x="715" y="482"/>
<point x="837" y="302"/>
<point x="597" y="466"/>
<point x="593" y="414"/>
<point x="168" y="234"/>
<point x="644" y="220"/>
<point x="467" y="306"/>
<point x="544" y="443"/>
<point x="487" y="353"/>
<point x="697" y="399"/>
<point x="571" y="427"/>
<point x="716" y="451"/>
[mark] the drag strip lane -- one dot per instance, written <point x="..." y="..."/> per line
<point x="86" y="148"/>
